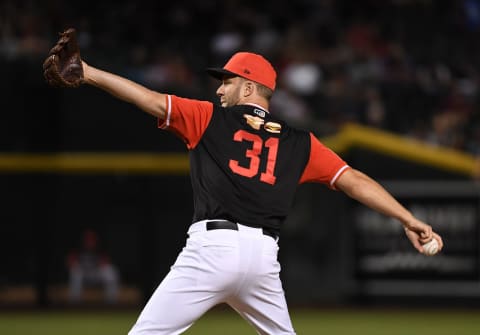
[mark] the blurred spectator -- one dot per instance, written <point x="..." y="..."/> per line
<point x="91" y="267"/>
<point x="374" y="108"/>
<point x="292" y="108"/>
<point x="402" y="66"/>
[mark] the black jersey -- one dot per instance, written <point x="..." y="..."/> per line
<point x="246" y="167"/>
<point x="245" y="164"/>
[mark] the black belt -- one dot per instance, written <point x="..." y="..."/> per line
<point x="224" y="224"/>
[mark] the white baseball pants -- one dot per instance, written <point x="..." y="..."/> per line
<point x="239" y="268"/>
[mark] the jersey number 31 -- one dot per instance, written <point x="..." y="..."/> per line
<point x="254" y="155"/>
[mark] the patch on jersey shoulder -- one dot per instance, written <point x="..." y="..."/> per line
<point x="273" y="127"/>
<point x="253" y="121"/>
<point x="259" y="112"/>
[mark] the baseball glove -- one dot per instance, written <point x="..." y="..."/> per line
<point x="63" y="66"/>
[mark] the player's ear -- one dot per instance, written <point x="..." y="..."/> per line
<point x="248" y="88"/>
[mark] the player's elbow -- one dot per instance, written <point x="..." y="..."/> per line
<point x="154" y="104"/>
<point x="353" y="182"/>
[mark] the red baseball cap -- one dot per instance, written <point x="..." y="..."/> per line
<point x="250" y="66"/>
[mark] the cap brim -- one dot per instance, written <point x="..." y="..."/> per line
<point x="220" y="73"/>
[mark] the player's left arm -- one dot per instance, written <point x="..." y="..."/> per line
<point x="187" y="118"/>
<point x="364" y="189"/>
<point x="147" y="100"/>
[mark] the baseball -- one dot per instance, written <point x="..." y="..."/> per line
<point x="430" y="248"/>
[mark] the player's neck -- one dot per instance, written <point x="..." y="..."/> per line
<point x="255" y="100"/>
<point x="258" y="106"/>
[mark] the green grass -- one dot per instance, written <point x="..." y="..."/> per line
<point x="306" y="322"/>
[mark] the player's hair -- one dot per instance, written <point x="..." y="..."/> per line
<point x="264" y="91"/>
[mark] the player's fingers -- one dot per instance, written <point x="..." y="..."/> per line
<point x="427" y="234"/>
<point x="439" y="240"/>
<point x="417" y="245"/>
<point x="415" y="240"/>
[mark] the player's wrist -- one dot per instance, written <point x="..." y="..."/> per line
<point x="408" y="221"/>
<point x="86" y="72"/>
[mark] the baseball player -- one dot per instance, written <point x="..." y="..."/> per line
<point x="245" y="165"/>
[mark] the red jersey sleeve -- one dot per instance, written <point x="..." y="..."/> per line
<point x="324" y="166"/>
<point x="186" y="118"/>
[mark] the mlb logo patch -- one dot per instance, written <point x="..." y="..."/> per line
<point x="259" y="112"/>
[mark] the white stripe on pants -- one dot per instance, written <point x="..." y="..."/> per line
<point x="239" y="268"/>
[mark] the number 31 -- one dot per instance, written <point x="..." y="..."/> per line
<point x="254" y="154"/>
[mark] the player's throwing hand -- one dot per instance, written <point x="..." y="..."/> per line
<point x="420" y="233"/>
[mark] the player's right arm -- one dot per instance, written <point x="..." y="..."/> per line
<point x="149" y="101"/>
<point x="364" y="189"/>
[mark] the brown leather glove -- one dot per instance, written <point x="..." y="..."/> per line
<point x="63" y="67"/>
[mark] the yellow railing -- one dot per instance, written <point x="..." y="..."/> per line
<point x="350" y="136"/>
<point x="353" y="135"/>
<point x="96" y="163"/>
